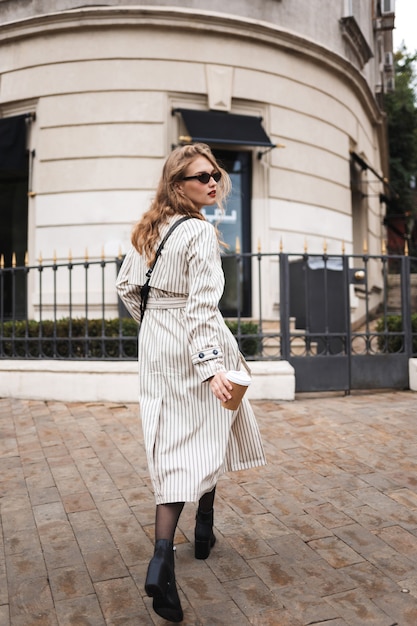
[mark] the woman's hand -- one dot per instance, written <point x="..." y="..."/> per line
<point x="221" y="386"/>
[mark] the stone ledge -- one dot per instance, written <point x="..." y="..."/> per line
<point x="272" y="380"/>
<point x="116" y="381"/>
<point x="412" y="376"/>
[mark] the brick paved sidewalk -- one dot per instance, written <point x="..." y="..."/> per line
<point x="326" y="533"/>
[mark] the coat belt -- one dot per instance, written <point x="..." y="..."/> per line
<point x="166" y="303"/>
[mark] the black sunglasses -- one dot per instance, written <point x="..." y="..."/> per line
<point x="204" y="177"/>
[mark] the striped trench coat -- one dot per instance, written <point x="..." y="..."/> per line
<point x="190" y="439"/>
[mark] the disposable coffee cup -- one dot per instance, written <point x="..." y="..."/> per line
<point x="240" y="382"/>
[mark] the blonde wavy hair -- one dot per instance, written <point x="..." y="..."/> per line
<point x="169" y="202"/>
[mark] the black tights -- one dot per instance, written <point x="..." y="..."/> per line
<point x="167" y="515"/>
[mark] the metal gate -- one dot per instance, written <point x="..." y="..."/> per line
<point x="318" y="338"/>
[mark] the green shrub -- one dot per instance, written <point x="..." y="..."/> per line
<point x="394" y="342"/>
<point x="70" y="338"/>
<point x="92" y="339"/>
<point x="246" y="334"/>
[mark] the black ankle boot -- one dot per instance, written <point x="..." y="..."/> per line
<point x="203" y="534"/>
<point x="160" y="582"/>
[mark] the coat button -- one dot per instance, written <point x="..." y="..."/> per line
<point x="201" y="355"/>
<point x="215" y="352"/>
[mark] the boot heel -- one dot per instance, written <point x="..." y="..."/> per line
<point x="157" y="578"/>
<point x="202" y="548"/>
<point x="160" y="582"/>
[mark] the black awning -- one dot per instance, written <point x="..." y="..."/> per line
<point x="224" y="128"/>
<point x="365" y="166"/>
<point x="13" y="154"/>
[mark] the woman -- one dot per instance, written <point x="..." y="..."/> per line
<point x="184" y="351"/>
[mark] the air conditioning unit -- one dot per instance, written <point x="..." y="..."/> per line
<point x="388" y="61"/>
<point x="387" y="6"/>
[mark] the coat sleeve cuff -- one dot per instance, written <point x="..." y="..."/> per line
<point x="207" y="354"/>
<point x="208" y="369"/>
<point x="208" y="362"/>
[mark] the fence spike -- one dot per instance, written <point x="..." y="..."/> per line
<point x="86" y="255"/>
<point x="281" y="245"/>
<point x="259" y="245"/>
<point x="325" y="246"/>
<point x="365" y="246"/>
<point x="14" y="259"/>
<point x="40" y="258"/>
<point x="237" y="245"/>
<point x="26" y="259"/>
<point x="2" y="261"/>
<point x="69" y="256"/>
<point x="343" y="246"/>
<point x="120" y="254"/>
<point x="54" y="257"/>
<point x="383" y="247"/>
<point x="406" y="248"/>
<point x="305" y="244"/>
<point x="102" y="253"/>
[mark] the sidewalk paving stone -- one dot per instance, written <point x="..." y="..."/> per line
<point x="325" y="534"/>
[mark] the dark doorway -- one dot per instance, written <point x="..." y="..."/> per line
<point x="14" y="176"/>
<point x="235" y="229"/>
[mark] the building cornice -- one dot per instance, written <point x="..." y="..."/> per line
<point x="356" y="40"/>
<point x="210" y="22"/>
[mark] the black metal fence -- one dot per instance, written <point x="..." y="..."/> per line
<point x="342" y="321"/>
<point x="358" y="330"/>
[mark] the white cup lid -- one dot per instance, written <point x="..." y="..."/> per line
<point x="239" y="377"/>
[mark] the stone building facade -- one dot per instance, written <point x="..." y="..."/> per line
<point x="287" y="92"/>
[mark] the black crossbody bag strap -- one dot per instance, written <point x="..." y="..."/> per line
<point x="144" y="290"/>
